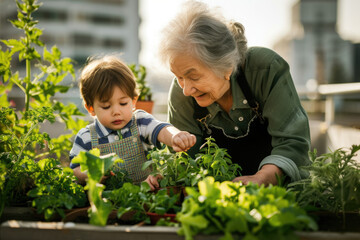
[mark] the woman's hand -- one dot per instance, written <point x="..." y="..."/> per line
<point x="266" y="175"/>
<point x="153" y="181"/>
<point x="183" y="141"/>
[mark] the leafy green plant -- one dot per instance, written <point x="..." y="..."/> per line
<point x="96" y="166"/>
<point x="334" y="182"/>
<point x="18" y="150"/>
<point x="161" y="202"/>
<point x="139" y="71"/>
<point x="22" y="142"/>
<point x="230" y="208"/>
<point x="55" y="190"/>
<point x="128" y="199"/>
<point x="217" y="162"/>
<point x="177" y="169"/>
<point x="44" y="74"/>
<point x="117" y="177"/>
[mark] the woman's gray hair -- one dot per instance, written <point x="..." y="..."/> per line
<point x="206" y="35"/>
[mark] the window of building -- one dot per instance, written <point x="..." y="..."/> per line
<point x="105" y="19"/>
<point x="83" y="39"/>
<point x="50" y="15"/>
<point x="113" y="43"/>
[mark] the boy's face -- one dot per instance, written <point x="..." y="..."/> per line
<point x="114" y="113"/>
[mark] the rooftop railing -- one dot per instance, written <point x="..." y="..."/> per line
<point x="329" y="91"/>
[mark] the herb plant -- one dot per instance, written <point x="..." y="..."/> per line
<point x="55" y="190"/>
<point x="129" y="198"/>
<point x="230" y="208"/>
<point x="334" y="182"/>
<point x="117" y="178"/>
<point x="161" y="202"/>
<point x="22" y="142"/>
<point x="217" y="162"/>
<point x="96" y="166"/>
<point x="139" y="71"/>
<point x="177" y="169"/>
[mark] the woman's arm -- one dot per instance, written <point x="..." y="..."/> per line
<point x="266" y="175"/>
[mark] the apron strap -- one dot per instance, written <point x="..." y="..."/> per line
<point x="244" y="85"/>
<point x="94" y="138"/>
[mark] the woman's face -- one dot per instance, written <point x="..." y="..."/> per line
<point x="199" y="81"/>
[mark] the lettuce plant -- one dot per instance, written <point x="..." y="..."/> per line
<point x="252" y="211"/>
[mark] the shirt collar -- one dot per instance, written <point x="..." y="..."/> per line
<point x="239" y="100"/>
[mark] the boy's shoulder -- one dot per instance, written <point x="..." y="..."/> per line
<point x="84" y="131"/>
<point x="140" y="115"/>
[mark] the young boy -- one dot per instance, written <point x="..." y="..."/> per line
<point x="108" y="89"/>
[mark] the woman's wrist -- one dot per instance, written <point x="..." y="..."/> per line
<point x="269" y="174"/>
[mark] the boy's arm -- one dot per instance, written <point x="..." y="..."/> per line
<point x="178" y="140"/>
<point x="81" y="176"/>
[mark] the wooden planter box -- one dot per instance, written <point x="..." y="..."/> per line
<point x="15" y="230"/>
<point x="27" y="225"/>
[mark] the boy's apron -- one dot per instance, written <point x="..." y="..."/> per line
<point x="129" y="149"/>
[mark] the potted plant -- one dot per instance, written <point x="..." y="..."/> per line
<point x="161" y="205"/>
<point x="179" y="169"/>
<point x="331" y="193"/>
<point x="29" y="158"/>
<point x="144" y="100"/>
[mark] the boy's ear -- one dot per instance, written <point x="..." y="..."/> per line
<point x="134" y="101"/>
<point x="90" y="109"/>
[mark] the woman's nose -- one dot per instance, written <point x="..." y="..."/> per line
<point x="188" y="88"/>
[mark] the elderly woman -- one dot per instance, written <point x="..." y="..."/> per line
<point x="242" y="97"/>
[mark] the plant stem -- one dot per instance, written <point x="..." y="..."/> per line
<point x="27" y="88"/>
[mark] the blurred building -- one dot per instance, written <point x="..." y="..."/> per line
<point x="314" y="48"/>
<point x="81" y="28"/>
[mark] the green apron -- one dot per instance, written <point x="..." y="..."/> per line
<point x="129" y="149"/>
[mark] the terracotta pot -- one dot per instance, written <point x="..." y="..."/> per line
<point x="154" y="217"/>
<point x="145" y="105"/>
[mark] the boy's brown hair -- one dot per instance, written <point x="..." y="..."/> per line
<point x="99" y="77"/>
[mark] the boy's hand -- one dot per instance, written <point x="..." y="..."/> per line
<point x="153" y="181"/>
<point x="183" y="141"/>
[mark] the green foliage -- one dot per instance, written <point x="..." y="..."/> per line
<point x="96" y="166"/>
<point x="176" y="168"/>
<point x="139" y="71"/>
<point x="162" y="202"/>
<point x="117" y="178"/>
<point x="230" y="208"/>
<point x="334" y="182"/>
<point x="23" y="145"/>
<point x="217" y="161"/>
<point x="129" y="198"/>
<point x="55" y="190"/>
<point x="179" y="169"/>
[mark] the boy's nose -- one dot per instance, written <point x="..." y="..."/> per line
<point x="116" y="110"/>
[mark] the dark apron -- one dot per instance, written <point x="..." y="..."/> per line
<point x="247" y="150"/>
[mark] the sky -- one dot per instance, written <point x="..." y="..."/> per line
<point x="265" y="21"/>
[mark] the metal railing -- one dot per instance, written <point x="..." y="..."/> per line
<point x="329" y="91"/>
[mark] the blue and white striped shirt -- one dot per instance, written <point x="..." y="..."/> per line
<point x="148" y="126"/>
